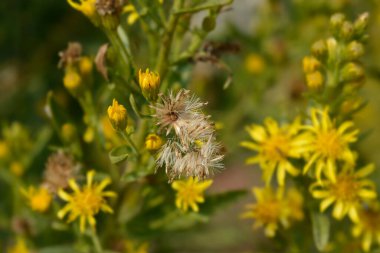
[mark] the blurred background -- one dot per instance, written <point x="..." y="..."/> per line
<point x="267" y="40"/>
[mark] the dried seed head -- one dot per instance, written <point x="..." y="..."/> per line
<point x="108" y="7"/>
<point x="60" y="167"/>
<point x="70" y="55"/>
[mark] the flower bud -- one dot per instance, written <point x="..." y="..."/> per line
<point x="68" y="132"/>
<point x="354" y="50"/>
<point x="153" y="142"/>
<point x="347" y="30"/>
<point x="85" y="65"/>
<point x="319" y="48"/>
<point x="208" y="23"/>
<point x="352" y="72"/>
<point x="331" y="48"/>
<point x="310" y="64"/>
<point x="149" y="84"/>
<point x="336" y="21"/>
<point x="314" y="80"/>
<point x="72" y="80"/>
<point x="361" y="23"/>
<point x="117" y="114"/>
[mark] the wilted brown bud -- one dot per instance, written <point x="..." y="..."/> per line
<point x="70" y="55"/>
<point x="60" y="167"/>
<point x="100" y="61"/>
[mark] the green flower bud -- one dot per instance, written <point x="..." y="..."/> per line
<point x="347" y="30"/>
<point x="336" y="21"/>
<point x="361" y="23"/>
<point x="319" y="49"/>
<point x="354" y="50"/>
<point x="352" y="72"/>
<point x="331" y="48"/>
<point x="208" y="24"/>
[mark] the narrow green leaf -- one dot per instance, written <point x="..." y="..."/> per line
<point x="119" y="154"/>
<point x="321" y="229"/>
<point x="208" y="4"/>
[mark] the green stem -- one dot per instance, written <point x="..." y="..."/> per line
<point x="163" y="55"/>
<point x="130" y="142"/>
<point x="96" y="242"/>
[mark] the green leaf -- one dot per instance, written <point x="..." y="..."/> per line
<point x="119" y="154"/>
<point x="321" y="229"/>
<point x="58" y="249"/>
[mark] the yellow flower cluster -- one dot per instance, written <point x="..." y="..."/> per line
<point x="274" y="208"/>
<point x="324" y="148"/>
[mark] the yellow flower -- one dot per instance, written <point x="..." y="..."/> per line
<point x="254" y="63"/>
<point x="275" y="145"/>
<point x="19" y="247"/>
<point x="17" y="169"/>
<point x="133" y="16"/>
<point x="72" y="80"/>
<point x="87" y="7"/>
<point x="149" y="84"/>
<point x="68" y="132"/>
<point x="190" y="192"/>
<point x="368" y="226"/>
<point x="153" y="142"/>
<point x="132" y="246"/>
<point x="348" y="191"/>
<point x="314" y="79"/>
<point x="4" y="150"/>
<point x="328" y="144"/>
<point x="274" y="208"/>
<point x="85" y="202"/>
<point x="310" y="64"/>
<point x="39" y="199"/>
<point x="117" y="115"/>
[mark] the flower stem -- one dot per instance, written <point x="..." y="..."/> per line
<point x="96" y="242"/>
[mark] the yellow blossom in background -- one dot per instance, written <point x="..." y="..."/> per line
<point x="86" y="201"/>
<point x="87" y="7"/>
<point x="149" y="84"/>
<point x="85" y="65"/>
<point x="368" y="226"/>
<point x="17" y="169"/>
<point x="133" y="14"/>
<point x="314" y="79"/>
<point x="310" y="64"/>
<point x="19" y="247"/>
<point x="348" y="191"/>
<point x="68" y="132"/>
<point x="254" y="63"/>
<point x="117" y="115"/>
<point x="275" y="145"/>
<point x="190" y="193"/>
<point x="39" y="199"/>
<point x="132" y="246"/>
<point x="328" y="143"/>
<point x="4" y="149"/>
<point x="72" y="80"/>
<point x="153" y="142"/>
<point x="273" y="208"/>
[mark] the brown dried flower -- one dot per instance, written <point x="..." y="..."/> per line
<point x="108" y="7"/>
<point x="70" y="55"/>
<point x="60" y="167"/>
